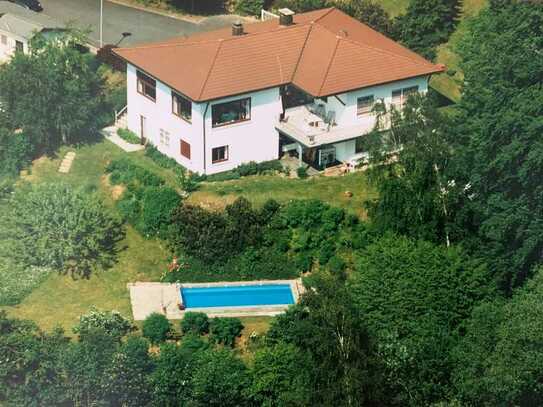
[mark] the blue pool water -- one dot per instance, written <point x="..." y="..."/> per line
<point x="237" y="296"/>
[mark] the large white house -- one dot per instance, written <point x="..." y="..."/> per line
<point x="302" y="83"/>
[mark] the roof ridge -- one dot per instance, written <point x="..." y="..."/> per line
<point x="302" y="51"/>
<point x="214" y="40"/>
<point x="384" y="51"/>
<point x="423" y="62"/>
<point x="330" y="9"/>
<point x="211" y="68"/>
<point x="329" y="64"/>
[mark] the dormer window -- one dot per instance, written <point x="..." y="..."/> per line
<point x="146" y="86"/>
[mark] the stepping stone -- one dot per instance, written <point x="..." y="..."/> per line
<point x="66" y="163"/>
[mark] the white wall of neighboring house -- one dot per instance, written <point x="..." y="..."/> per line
<point x="8" y="43"/>
<point x="252" y="140"/>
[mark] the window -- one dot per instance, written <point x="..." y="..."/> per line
<point x="231" y="112"/>
<point x="185" y="149"/>
<point x="400" y="96"/>
<point x="164" y="138"/>
<point x="360" y="145"/>
<point x="364" y="105"/>
<point x="146" y="86"/>
<point x="19" y="47"/>
<point x="219" y="154"/>
<point x="4" y="39"/>
<point x="181" y="107"/>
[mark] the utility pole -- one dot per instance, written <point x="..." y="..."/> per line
<point x="101" y="23"/>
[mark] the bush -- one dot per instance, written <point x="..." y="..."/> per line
<point x="248" y="7"/>
<point x="16" y="282"/>
<point x="128" y="136"/>
<point x="111" y="322"/>
<point x="15" y="152"/>
<point x="195" y="323"/>
<point x="125" y="171"/>
<point x="225" y="330"/>
<point x="161" y="159"/>
<point x="336" y="265"/>
<point x="56" y="226"/>
<point x="156" y="328"/>
<point x="223" y="176"/>
<point x="301" y="172"/>
<point x="157" y="206"/>
<point x="244" y="170"/>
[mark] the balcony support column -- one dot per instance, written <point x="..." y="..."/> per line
<point x="300" y="152"/>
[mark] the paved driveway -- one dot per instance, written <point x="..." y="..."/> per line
<point x="144" y="26"/>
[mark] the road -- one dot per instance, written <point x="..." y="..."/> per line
<point x="144" y="26"/>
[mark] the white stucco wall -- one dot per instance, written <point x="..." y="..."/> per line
<point x="252" y="140"/>
<point x="7" y="50"/>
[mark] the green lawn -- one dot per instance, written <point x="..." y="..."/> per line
<point x="258" y="189"/>
<point x="60" y="300"/>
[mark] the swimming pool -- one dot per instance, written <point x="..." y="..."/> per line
<point x="237" y="296"/>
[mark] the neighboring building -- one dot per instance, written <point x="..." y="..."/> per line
<point x="303" y="83"/>
<point x="19" y="25"/>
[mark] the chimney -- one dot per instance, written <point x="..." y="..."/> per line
<point x="237" y="28"/>
<point x="286" y="16"/>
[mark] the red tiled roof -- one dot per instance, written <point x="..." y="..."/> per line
<point x="324" y="52"/>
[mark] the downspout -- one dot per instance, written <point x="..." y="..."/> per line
<point x="204" y="133"/>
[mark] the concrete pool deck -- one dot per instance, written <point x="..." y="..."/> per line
<point x="165" y="298"/>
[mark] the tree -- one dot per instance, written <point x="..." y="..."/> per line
<point x="172" y="378"/>
<point x="499" y="362"/>
<point x="85" y="364"/>
<point x="57" y="226"/>
<point x="498" y="144"/>
<point x="417" y="196"/>
<point x="128" y="377"/>
<point x="30" y="366"/>
<point x="195" y="323"/>
<point x="426" y="24"/>
<point x="415" y="297"/>
<point x="220" y="379"/>
<point x="15" y="151"/>
<point x="225" y="330"/>
<point x="156" y="328"/>
<point x="53" y="92"/>
<point x="329" y="328"/>
<point x="281" y="376"/>
<point x="112" y="322"/>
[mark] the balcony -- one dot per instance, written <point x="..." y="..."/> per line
<point x="312" y="127"/>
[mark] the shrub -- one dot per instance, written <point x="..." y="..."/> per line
<point x="128" y="136"/>
<point x="15" y="152"/>
<point x="57" y="226"/>
<point x="248" y="7"/>
<point x="223" y="176"/>
<point x="336" y="264"/>
<point x="195" y="323"/>
<point x="225" y="330"/>
<point x="301" y="172"/>
<point x="111" y="322"/>
<point x="157" y="206"/>
<point x="16" y="282"/>
<point x="160" y="159"/>
<point x="125" y="171"/>
<point x="156" y="328"/>
<point x="250" y="168"/>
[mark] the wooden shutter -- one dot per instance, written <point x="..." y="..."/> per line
<point x="185" y="149"/>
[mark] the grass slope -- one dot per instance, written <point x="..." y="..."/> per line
<point x="60" y="299"/>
